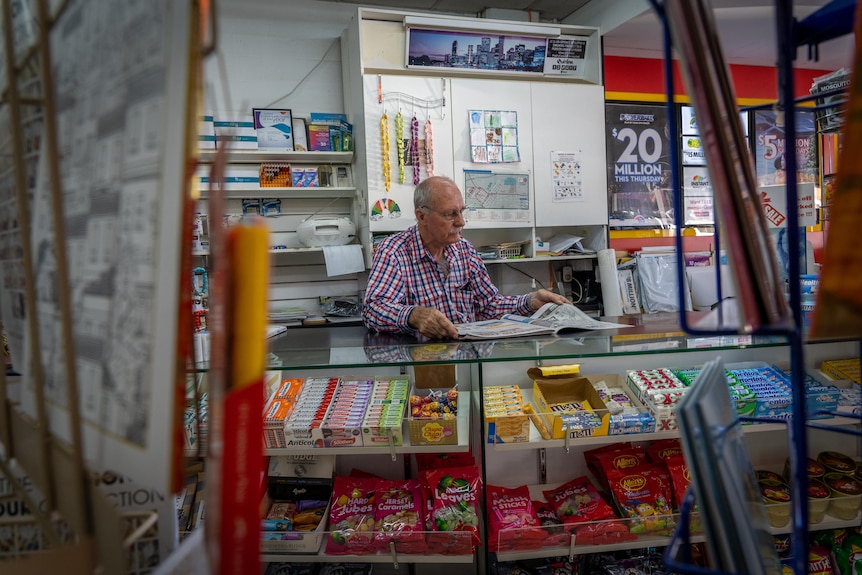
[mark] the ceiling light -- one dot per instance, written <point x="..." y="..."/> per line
<point x="479" y="25"/>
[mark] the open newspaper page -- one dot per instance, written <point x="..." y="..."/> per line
<point x="548" y="319"/>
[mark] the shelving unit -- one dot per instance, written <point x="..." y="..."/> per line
<point x="301" y="273"/>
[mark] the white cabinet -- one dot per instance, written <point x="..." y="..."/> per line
<point x="554" y="114"/>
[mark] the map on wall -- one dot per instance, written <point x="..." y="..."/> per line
<point x="497" y="197"/>
<point x="493" y="136"/>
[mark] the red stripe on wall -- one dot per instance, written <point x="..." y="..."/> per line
<point x="646" y="75"/>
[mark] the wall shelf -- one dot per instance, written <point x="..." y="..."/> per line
<point x="257" y="156"/>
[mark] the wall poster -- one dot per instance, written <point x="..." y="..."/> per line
<point x="493" y="136"/>
<point x="769" y="148"/>
<point x="497" y="197"/>
<point x="567" y="176"/>
<point x="465" y="49"/>
<point x="639" y="187"/>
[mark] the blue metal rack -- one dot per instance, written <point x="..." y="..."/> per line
<point x="831" y="21"/>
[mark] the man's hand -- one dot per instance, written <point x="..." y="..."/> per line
<point x="541" y="297"/>
<point x="432" y="323"/>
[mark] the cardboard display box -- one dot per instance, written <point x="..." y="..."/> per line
<point x="556" y="390"/>
<point x="295" y="478"/>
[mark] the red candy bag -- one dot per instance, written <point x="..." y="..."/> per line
<point x="640" y="500"/>
<point x="513" y="523"/>
<point x="351" y="517"/>
<point x="555" y="534"/>
<point x="456" y="497"/>
<point x="400" y="516"/>
<point x="578" y="502"/>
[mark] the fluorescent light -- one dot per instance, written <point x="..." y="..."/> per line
<point x="481" y="25"/>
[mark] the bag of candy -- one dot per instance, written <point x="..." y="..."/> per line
<point x="351" y="517"/>
<point x="578" y="502"/>
<point x="400" y="516"/>
<point x="513" y="523"/>
<point x="455" y="492"/>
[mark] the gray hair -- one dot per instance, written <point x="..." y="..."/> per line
<point x="424" y="191"/>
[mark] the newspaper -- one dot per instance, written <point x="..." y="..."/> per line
<point x="549" y="319"/>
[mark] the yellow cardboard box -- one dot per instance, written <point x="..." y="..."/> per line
<point x="560" y="388"/>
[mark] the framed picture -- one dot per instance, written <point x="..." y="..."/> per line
<point x="274" y="129"/>
<point x="300" y="135"/>
<point x="473" y="50"/>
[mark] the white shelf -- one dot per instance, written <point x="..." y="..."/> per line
<point x="271" y="250"/>
<point x="828" y="522"/>
<point x="257" y="156"/>
<point x="541" y="259"/>
<point x="639" y="543"/>
<point x="322" y="557"/>
<point x="536" y="441"/>
<point x="318" y="192"/>
<point x="462" y="446"/>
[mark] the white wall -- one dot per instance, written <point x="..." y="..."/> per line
<point x="267" y="47"/>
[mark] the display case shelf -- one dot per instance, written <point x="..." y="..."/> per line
<point x="463" y="444"/>
<point x="536" y="441"/>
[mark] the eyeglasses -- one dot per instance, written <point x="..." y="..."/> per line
<point x="450" y="215"/>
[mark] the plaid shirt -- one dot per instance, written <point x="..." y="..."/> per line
<point x="404" y="275"/>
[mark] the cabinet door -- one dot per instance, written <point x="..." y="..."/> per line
<point x="569" y="119"/>
<point x="494" y="202"/>
<point x="425" y="99"/>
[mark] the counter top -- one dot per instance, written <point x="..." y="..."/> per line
<point x="356" y="346"/>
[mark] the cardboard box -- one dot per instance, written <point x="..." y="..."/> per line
<point x="294" y="477"/>
<point x="553" y="390"/>
<point x="385" y="416"/>
<point x="505" y="419"/>
<point x="432" y="431"/>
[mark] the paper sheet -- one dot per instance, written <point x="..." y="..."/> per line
<point x="341" y="260"/>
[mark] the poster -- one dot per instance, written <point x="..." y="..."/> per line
<point x="639" y="186"/>
<point x="484" y="51"/>
<point x="769" y="148"/>
<point x="497" y="197"/>
<point x="697" y="196"/>
<point x="567" y="177"/>
<point x="565" y="57"/>
<point x="493" y="136"/>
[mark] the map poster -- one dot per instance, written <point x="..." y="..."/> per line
<point x="639" y="188"/>
<point x="497" y="197"/>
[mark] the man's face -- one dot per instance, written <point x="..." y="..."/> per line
<point x="441" y="223"/>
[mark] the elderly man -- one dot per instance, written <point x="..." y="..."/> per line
<point x="428" y="277"/>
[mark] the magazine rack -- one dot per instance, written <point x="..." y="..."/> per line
<point x="831" y="21"/>
<point x="91" y="538"/>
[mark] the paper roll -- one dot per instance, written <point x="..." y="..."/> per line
<point x="610" y="283"/>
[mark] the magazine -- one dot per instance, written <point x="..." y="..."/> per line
<point x="549" y="319"/>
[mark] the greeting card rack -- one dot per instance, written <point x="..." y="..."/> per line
<point x="706" y="76"/>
